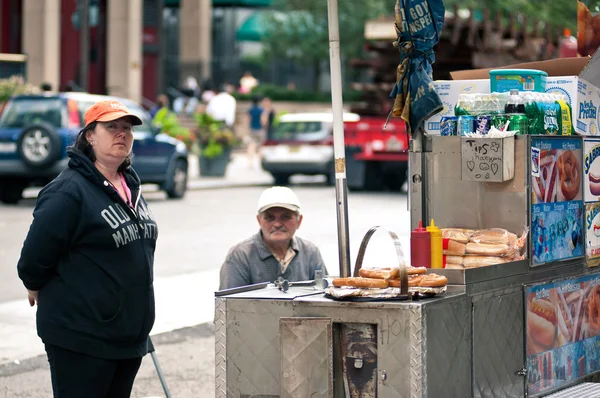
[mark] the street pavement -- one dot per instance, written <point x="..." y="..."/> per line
<point x="183" y="338"/>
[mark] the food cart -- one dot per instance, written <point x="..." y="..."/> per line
<point x="481" y="337"/>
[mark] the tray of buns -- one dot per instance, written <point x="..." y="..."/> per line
<point x="396" y="283"/>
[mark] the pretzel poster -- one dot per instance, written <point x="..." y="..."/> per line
<point x="563" y="331"/>
<point x="557" y="199"/>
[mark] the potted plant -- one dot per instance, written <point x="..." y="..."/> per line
<point x="13" y="86"/>
<point x="216" y="141"/>
<point x="170" y="125"/>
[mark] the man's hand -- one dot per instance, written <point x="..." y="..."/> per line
<point x="32" y="296"/>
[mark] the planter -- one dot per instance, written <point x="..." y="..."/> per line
<point x="215" y="167"/>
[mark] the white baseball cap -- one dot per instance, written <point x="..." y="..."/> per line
<point x="278" y="197"/>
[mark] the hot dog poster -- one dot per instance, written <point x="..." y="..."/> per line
<point x="556" y="197"/>
<point x="563" y="331"/>
<point x="591" y="170"/>
<point x="592" y="234"/>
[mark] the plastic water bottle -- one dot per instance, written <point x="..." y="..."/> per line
<point x="515" y="103"/>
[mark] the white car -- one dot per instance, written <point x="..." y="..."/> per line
<point x="301" y="143"/>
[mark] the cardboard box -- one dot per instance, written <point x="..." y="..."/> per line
<point x="579" y="78"/>
<point x="449" y="90"/>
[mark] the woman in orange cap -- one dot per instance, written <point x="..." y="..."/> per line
<point x="87" y="261"/>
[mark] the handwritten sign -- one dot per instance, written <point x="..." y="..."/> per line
<point x="487" y="159"/>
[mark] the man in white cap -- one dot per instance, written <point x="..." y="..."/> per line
<point x="274" y="251"/>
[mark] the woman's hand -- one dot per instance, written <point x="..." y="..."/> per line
<point x="33" y="297"/>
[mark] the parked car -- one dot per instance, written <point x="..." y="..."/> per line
<point x="301" y="143"/>
<point x="35" y="131"/>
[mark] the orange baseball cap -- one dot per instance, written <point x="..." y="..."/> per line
<point x="108" y="110"/>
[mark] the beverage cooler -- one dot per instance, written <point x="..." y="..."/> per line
<point x="524" y="327"/>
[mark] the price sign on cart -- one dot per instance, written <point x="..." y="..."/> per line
<point x="487" y="159"/>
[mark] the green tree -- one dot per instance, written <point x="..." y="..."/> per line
<point x="298" y="30"/>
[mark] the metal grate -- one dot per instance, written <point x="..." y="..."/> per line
<point x="585" y="390"/>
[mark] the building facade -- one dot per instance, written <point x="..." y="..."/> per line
<point x="124" y="41"/>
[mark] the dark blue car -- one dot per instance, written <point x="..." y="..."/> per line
<point x="35" y="131"/>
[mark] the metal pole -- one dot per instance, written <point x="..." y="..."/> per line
<point x="339" y="154"/>
<point x="84" y="45"/>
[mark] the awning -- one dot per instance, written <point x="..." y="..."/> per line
<point x="241" y="3"/>
<point x="226" y="3"/>
<point x="253" y="28"/>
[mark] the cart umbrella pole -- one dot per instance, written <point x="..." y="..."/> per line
<point x="339" y="154"/>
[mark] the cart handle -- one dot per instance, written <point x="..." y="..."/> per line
<point x="399" y="253"/>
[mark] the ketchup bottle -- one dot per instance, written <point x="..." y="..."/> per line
<point x="420" y="247"/>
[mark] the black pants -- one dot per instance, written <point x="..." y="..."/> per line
<point x="76" y="375"/>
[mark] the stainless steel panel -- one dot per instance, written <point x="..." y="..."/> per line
<point x="416" y="186"/>
<point x="456" y="203"/>
<point x="498" y="348"/>
<point x="394" y="337"/>
<point x="481" y="274"/>
<point x="253" y="346"/>
<point x="416" y="355"/>
<point x="220" y="348"/>
<point x="306" y="357"/>
<point x="448" y="349"/>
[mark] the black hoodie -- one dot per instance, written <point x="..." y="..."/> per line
<point x="91" y="258"/>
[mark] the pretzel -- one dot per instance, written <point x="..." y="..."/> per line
<point x="433" y="280"/>
<point x="361" y="282"/>
<point x="569" y="173"/>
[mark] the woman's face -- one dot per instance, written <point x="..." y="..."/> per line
<point x="112" y="141"/>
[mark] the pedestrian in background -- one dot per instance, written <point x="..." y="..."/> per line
<point x="162" y="101"/>
<point x="268" y="116"/>
<point x="274" y="251"/>
<point x="222" y="106"/>
<point x="87" y="262"/>
<point x="257" y="132"/>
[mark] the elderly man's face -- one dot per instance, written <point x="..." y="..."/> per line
<point x="278" y="225"/>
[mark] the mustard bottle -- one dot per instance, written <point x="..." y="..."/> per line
<point x="436" y="245"/>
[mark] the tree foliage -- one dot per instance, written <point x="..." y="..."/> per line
<point x="298" y="29"/>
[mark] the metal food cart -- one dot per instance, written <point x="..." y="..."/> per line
<point x="273" y="341"/>
<point x="468" y="342"/>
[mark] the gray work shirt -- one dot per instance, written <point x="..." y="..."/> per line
<point x="251" y="261"/>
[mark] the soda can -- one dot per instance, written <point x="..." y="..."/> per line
<point x="499" y="121"/>
<point x="448" y="125"/>
<point x="465" y="125"/>
<point x="482" y="124"/>
<point x="519" y="121"/>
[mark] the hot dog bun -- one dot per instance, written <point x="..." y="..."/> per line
<point x="488" y="249"/>
<point x="457" y="234"/>
<point x="493" y="236"/>
<point x="481" y="261"/>
<point x="455" y="248"/>
<point x="454" y="260"/>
